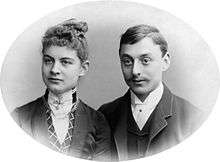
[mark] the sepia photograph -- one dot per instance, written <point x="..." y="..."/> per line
<point x="108" y="81"/>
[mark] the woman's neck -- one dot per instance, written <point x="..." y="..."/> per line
<point x="62" y="96"/>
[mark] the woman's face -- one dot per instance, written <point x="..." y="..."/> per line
<point x="61" y="69"/>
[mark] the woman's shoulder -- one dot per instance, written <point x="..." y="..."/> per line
<point x="29" y="106"/>
<point x="26" y="110"/>
<point x="93" y="114"/>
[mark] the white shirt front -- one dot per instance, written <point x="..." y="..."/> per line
<point x="142" y="110"/>
<point x="61" y="106"/>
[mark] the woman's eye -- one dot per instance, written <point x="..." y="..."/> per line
<point x="48" y="61"/>
<point x="65" y="62"/>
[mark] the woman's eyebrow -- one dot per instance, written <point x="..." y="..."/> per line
<point x="66" y="58"/>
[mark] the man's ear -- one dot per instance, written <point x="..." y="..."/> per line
<point x="84" y="68"/>
<point x="166" y="61"/>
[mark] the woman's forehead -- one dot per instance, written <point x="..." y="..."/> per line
<point x="61" y="52"/>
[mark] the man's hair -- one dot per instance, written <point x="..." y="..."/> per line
<point x="137" y="33"/>
<point x="70" y="34"/>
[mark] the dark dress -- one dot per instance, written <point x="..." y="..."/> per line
<point x="90" y="136"/>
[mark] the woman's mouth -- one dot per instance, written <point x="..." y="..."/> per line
<point x="55" y="80"/>
<point x="137" y="81"/>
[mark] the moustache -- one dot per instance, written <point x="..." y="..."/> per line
<point x="137" y="79"/>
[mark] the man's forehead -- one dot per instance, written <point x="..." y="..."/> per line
<point x="146" y="41"/>
<point x="145" y="46"/>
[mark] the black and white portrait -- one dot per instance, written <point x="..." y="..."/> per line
<point x="109" y="81"/>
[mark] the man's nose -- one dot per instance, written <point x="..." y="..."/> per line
<point x="55" y="69"/>
<point x="136" y="68"/>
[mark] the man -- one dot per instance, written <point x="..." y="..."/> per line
<point x="148" y="118"/>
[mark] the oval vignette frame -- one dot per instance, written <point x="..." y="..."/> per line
<point x="116" y="22"/>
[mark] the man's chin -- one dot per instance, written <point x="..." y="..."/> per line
<point x="140" y="90"/>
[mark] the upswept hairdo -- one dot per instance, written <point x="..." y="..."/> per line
<point x="136" y="33"/>
<point x="71" y="34"/>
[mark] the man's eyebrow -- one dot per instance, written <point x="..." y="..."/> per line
<point x="141" y="55"/>
<point x="145" y="54"/>
<point x="47" y="56"/>
<point x="125" y="55"/>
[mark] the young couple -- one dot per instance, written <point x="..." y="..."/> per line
<point x="146" y="120"/>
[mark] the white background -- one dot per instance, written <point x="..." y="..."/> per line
<point x="203" y="16"/>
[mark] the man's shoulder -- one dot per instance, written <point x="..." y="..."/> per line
<point x="184" y="106"/>
<point x="188" y="116"/>
<point x="179" y="105"/>
<point x="113" y="110"/>
<point x="112" y="106"/>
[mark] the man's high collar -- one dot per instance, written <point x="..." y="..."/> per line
<point x="154" y="96"/>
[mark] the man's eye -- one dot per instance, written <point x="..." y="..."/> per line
<point x="145" y="60"/>
<point x="127" y="62"/>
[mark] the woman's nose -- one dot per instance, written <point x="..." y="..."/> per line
<point x="55" y="69"/>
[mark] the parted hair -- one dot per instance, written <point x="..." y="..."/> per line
<point x="71" y="34"/>
<point x="137" y="33"/>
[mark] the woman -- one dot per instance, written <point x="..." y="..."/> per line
<point x="59" y="119"/>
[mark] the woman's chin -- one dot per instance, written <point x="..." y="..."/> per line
<point x="56" y="91"/>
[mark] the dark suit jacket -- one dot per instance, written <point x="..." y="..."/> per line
<point x="174" y="119"/>
<point x="91" y="133"/>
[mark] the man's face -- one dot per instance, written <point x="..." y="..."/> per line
<point x="142" y="66"/>
<point x="61" y="69"/>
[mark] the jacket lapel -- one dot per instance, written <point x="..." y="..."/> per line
<point x="160" y="114"/>
<point x="120" y="133"/>
<point x="39" y="122"/>
<point x="79" y="132"/>
<point x="40" y="128"/>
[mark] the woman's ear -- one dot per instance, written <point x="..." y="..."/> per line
<point x="166" y="61"/>
<point x="84" y="68"/>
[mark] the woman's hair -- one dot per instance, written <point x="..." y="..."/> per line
<point x="71" y="34"/>
<point x="137" y="33"/>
